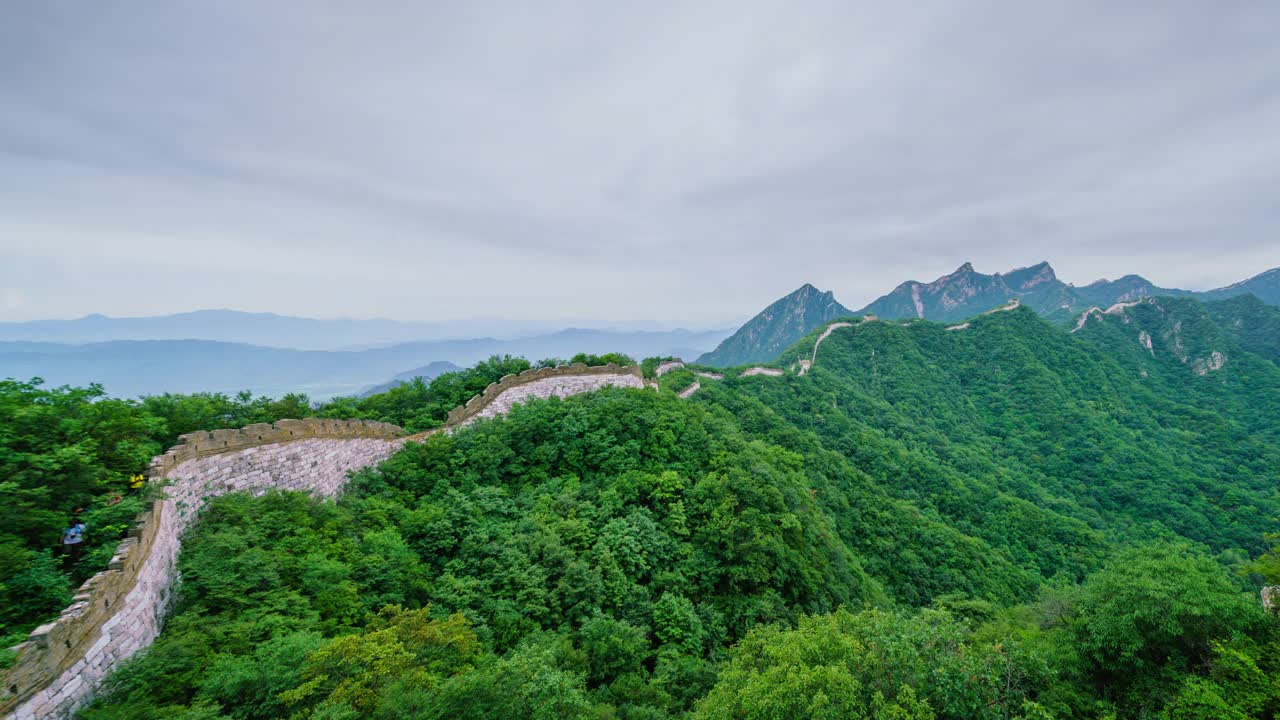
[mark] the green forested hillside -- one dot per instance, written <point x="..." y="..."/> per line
<point x="1009" y="520"/>
<point x="1253" y="324"/>
<point x="70" y="452"/>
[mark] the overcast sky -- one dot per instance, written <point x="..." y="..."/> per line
<point x="666" y="164"/>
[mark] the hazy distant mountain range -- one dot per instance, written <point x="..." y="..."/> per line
<point x="957" y="296"/>
<point x="128" y="368"/>
<point x="426" y="372"/>
<point x="229" y="351"/>
<point x="268" y="330"/>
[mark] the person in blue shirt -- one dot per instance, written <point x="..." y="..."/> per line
<point x="73" y="539"/>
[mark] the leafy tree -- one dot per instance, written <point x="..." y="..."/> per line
<point x="1153" y="613"/>
<point x="873" y="665"/>
<point x="605" y="359"/>
<point x="404" y="648"/>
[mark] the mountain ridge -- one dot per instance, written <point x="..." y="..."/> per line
<point x="957" y="296"/>
<point x="966" y="292"/>
<point x="776" y="327"/>
<point x="127" y="368"/>
<point x="275" y="330"/>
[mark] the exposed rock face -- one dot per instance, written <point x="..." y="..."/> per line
<point x="967" y="292"/>
<point x="1177" y="327"/>
<point x="1204" y="366"/>
<point x="1271" y="598"/>
<point x="778" y="326"/>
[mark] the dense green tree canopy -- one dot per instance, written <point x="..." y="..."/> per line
<point x="1009" y="520"/>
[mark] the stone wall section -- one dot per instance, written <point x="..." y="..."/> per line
<point x="772" y="372"/>
<point x="559" y="381"/>
<point x="689" y="391"/>
<point x="121" y="610"/>
<point x="666" y="367"/>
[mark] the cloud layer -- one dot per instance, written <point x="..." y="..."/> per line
<point x="672" y="163"/>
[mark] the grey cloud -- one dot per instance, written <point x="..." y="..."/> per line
<point x="673" y="163"/>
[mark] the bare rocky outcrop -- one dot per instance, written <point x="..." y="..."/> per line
<point x="1171" y="336"/>
<point x="915" y="300"/>
<point x="120" y="611"/>
<point x="1204" y="366"/>
<point x="687" y="392"/>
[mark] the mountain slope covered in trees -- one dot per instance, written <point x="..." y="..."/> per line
<point x="954" y="297"/>
<point x="776" y="327"/>
<point x="1006" y="520"/>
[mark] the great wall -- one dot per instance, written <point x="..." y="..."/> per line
<point x="121" y="610"/>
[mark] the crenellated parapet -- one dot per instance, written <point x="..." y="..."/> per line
<point x="560" y="381"/>
<point x="213" y="442"/>
<point x="121" y="610"/>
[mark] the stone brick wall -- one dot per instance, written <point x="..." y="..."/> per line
<point x="668" y="366"/>
<point x="545" y="382"/>
<point x="121" y="610"/>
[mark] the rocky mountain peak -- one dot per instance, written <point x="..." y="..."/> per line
<point x="770" y="332"/>
<point x="1023" y="279"/>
